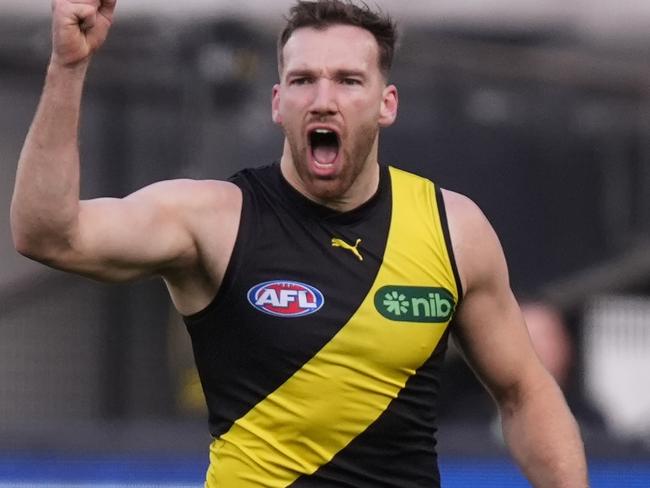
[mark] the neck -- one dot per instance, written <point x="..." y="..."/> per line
<point x="361" y="188"/>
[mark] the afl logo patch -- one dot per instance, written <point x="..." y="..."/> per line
<point x="286" y="298"/>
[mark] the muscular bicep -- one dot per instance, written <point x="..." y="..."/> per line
<point x="490" y="328"/>
<point x="149" y="232"/>
<point x="122" y="239"/>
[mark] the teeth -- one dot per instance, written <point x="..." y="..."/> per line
<point x="323" y="131"/>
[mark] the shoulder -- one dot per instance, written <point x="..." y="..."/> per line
<point x="189" y="201"/>
<point x="464" y="214"/>
<point x="188" y="192"/>
<point x="476" y="247"/>
<point x="208" y="213"/>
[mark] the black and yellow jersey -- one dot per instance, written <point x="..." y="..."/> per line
<point x="320" y="355"/>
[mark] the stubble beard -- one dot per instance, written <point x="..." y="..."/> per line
<point x="333" y="189"/>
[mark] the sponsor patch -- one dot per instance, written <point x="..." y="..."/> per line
<point x="286" y="298"/>
<point x="415" y="304"/>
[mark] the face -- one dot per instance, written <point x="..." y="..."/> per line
<point x="331" y="102"/>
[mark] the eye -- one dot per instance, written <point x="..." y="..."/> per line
<point x="350" y="81"/>
<point x="303" y="80"/>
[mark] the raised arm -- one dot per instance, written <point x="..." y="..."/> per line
<point x="45" y="205"/>
<point x="538" y="427"/>
<point x="162" y="229"/>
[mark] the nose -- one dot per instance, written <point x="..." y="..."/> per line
<point x="324" y="101"/>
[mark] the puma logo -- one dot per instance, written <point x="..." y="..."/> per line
<point x="353" y="249"/>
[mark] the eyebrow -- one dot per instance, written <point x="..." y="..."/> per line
<point x="339" y="73"/>
<point x="344" y="73"/>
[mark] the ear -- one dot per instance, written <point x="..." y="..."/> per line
<point x="389" y="104"/>
<point x="275" y="105"/>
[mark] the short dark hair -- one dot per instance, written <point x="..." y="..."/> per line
<point x="321" y="14"/>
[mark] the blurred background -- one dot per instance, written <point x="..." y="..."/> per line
<point x="539" y="111"/>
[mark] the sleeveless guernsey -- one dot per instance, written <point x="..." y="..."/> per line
<point x="320" y="355"/>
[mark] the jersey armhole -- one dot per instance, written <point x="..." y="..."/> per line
<point x="450" y="249"/>
<point x="245" y="235"/>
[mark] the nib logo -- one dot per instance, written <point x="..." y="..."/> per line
<point x="415" y="304"/>
<point x="396" y="303"/>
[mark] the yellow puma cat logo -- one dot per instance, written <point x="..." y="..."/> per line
<point x="353" y="249"/>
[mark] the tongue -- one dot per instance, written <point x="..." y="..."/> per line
<point x="325" y="154"/>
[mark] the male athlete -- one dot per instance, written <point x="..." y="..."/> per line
<point x="318" y="292"/>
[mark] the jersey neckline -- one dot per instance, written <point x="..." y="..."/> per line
<point x="318" y="211"/>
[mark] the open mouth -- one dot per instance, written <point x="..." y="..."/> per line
<point x="324" y="146"/>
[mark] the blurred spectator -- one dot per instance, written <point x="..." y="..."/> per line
<point x="557" y="351"/>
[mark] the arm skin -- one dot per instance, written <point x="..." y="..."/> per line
<point x="160" y="229"/>
<point x="538" y="427"/>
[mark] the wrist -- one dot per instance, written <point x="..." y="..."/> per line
<point x="64" y="84"/>
<point x="56" y="66"/>
<point x="66" y="77"/>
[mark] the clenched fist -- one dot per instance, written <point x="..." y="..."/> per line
<point x="79" y="28"/>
